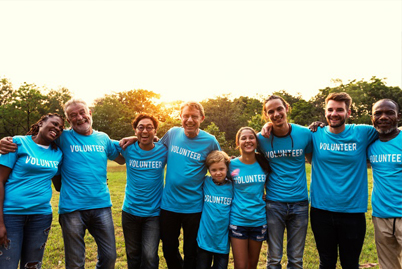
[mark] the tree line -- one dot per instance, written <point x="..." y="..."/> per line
<point x="113" y="113"/>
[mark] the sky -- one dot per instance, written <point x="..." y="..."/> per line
<point x="194" y="50"/>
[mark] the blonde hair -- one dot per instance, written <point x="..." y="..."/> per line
<point x="217" y="156"/>
<point x="193" y="104"/>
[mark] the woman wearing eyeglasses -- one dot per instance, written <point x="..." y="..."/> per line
<point x="248" y="223"/>
<point x="286" y="191"/>
<point x="145" y="163"/>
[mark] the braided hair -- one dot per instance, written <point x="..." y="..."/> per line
<point x="35" y="127"/>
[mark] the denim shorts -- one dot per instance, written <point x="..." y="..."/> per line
<point x="254" y="233"/>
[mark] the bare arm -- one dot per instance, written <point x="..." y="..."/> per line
<point x="7" y="145"/>
<point x="127" y="141"/>
<point x="57" y="182"/>
<point x="314" y="126"/>
<point x="309" y="157"/>
<point x="120" y="159"/>
<point x="266" y="129"/>
<point x="4" y="173"/>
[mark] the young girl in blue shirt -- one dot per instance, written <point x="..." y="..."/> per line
<point x="248" y="223"/>
<point x="213" y="233"/>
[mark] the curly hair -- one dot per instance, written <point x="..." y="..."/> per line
<point x="34" y="130"/>
<point x="142" y="116"/>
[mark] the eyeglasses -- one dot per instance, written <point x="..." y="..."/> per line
<point x="283" y="152"/>
<point x="142" y="128"/>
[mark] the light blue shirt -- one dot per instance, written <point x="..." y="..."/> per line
<point x="83" y="173"/>
<point x="145" y="174"/>
<point x="339" y="169"/>
<point x="28" y="189"/>
<point x="386" y="163"/>
<point x="213" y="234"/>
<point x="185" y="169"/>
<point x="248" y="207"/>
<point x="287" y="182"/>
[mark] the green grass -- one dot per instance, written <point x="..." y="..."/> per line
<point x="54" y="253"/>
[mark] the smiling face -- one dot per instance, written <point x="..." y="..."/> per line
<point x="191" y="119"/>
<point x="50" y="129"/>
<point x="336" y="113"/>
<point x="247" y="141"/>
<point x="385" y="117"/>
<point x="145" y="131"/>
<point x="80" y="118"/>
<point x="276" y="112"/>
<point x="218" y="171"/>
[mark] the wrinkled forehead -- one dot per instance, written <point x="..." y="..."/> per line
<point x="76" y="107"/>
<point x="384" y="105"/>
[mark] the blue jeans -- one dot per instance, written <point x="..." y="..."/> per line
<point x="344" y="230"/>
<point x="293" y="217"/>
<point x="141" y="235"/>
<point x="204" y="260"/>
<point x="27" y="235"/>
<point x="99" y="223"/>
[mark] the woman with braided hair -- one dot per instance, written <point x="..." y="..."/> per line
<point x="25" y="193"/>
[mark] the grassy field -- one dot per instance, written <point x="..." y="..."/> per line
<point x="54" y="253"/>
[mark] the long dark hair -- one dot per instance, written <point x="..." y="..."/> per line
<point x="35" y="127"/>
<point x="259" y="155"/>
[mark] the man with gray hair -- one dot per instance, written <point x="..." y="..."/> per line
<point x="85" y="202"/>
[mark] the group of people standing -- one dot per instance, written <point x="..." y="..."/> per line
<point x="228" y="203"/>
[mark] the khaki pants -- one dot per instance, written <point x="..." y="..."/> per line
<point x="388" y="239"/>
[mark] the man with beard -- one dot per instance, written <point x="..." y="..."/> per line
<point x="339" y="185"/>
<point x="385" y="156"/>
<point x="85" y="202"/>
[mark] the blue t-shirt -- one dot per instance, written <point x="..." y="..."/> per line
<point x="386" y="163"/>
<point x="339" y="169"/>
<point x="28" y="189"/>
<point x="145" y="174"/>
<point x="83" y="173"/>
<point x="213" y="234"/>
<point x="287" y="182"/>
<point x="185" y="169"/>
<point x="248" y="207"/>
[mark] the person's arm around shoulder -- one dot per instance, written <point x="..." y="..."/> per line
<point x="4" y="174"/>
<point x="7" y="145"/>
<point x="57" y="182"/>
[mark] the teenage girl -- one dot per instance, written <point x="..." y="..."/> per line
<point x="213" y="234"/>
<point x="248" y="223"/>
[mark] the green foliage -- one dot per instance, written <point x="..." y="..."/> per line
<point x="23" y="107"/>
<point x="114" y="113"/>
<point x="230" y="115"/>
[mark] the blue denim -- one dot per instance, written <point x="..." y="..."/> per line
<point x="258" y="234"/>
<point x="99" y="223"/>
<point x="343" y="231"/>
<point x="141" y="236"/>
<point x="204" y="259"/>
<point x="27" y="235"/>
<point x="294" y="218"/>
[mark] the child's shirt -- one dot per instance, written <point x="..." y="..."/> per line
<point x="213" y="234"/>
<point x="248" y="207"/>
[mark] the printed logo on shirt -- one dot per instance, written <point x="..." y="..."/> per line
<point x="185" y="152"/>
<point x="249" y="179"/>
<point x="145" y="164"/>
<point x="41" y="162"/>
<point x="338" y="147"/>
<point x="284" y="153"/>
<point x="87" y="148"/>
<point x="217" y="200"/>
<point x="385" y="158"/>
